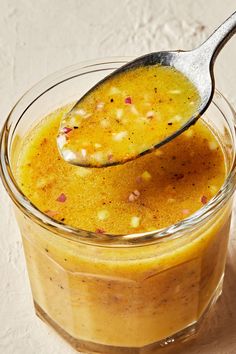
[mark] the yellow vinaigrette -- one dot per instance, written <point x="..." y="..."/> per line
<point x="127" y="115"/>
<point x="145" y="194"/>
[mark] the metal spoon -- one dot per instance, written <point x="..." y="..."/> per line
<point x="196" y="65"/>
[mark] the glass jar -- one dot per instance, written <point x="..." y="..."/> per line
<point x="129" y="293"/>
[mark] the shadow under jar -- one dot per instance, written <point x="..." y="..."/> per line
<point x="122" y="294"/>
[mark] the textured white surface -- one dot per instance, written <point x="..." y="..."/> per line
<point x="39" y="37"/>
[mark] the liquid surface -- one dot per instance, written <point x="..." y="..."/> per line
<point x="145" y="194"/>
<point x="127" y="115"/>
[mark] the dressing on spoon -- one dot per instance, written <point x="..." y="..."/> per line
<point x="127" y="115"/>
<point x="143" y="105"/>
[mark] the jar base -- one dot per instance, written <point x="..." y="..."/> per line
<point x="83" y="346"/>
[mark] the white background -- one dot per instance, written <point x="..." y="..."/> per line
<point x="38" y="37"/>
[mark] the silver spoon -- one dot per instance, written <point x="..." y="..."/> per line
<point x="196" y="65"/>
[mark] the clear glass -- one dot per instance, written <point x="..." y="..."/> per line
<point x="129" y="293"/>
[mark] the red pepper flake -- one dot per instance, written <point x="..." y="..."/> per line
<point x="128" y="100"/>
<point x="66" y="130"/>
<point x="204" y="199"/>
<point x="61" y="198"/>
<point x="110" y="157"/>
<point x="185" y="211"/>
<point x="100" y="231"/>
<point x="139" y="179"/>
<point x="51" y="213"/>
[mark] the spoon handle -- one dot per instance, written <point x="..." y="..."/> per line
<point x="213" y="45"/>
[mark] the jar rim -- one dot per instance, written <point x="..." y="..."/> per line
<point x="89" y="237"/>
